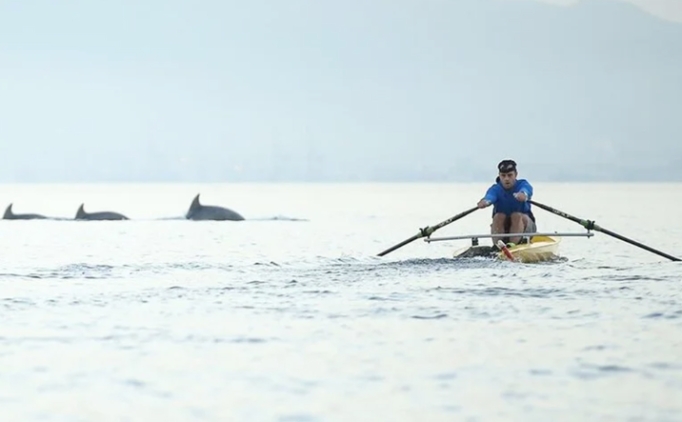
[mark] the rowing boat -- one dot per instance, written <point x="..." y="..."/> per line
<point x="541" y="247"/>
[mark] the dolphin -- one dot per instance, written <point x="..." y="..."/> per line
<point x="210" y="212"/>
<point x="10" y="215"/>
<point x="102" y="215"/>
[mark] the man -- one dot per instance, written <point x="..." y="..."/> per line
<point x="511" y="209"/>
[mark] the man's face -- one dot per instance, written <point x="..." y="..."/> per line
<point x="508" y="179"/>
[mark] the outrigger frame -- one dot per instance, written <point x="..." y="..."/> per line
<point x="474" y="237"/>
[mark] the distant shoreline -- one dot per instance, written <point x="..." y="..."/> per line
<point x="336" y="182"/>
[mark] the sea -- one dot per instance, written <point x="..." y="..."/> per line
<point x="291" y="315"/>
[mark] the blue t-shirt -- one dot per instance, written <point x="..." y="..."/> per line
<point x="503" y="199"/>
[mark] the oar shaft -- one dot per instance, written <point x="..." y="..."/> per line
<point x="591" y="226"/>
<point x="580" y="221"/>
<point x="452" y="219"/>
<point x="401" y="244"/>
<point x="425" y="232"/>
<point x="636" y="243"/>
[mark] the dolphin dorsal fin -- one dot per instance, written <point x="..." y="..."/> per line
<point x="8" y="211"/>
<point x="81" y="211"/>
<point x="195" y="203"/>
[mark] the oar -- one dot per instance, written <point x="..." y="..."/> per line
<point x="427" y="231"/>
<point x="589" y="225"/>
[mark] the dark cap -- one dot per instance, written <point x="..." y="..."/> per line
<point x="506" y="166"/>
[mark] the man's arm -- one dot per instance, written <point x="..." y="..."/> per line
<point x="526" y="188"/>
<point x="489" y="198"/>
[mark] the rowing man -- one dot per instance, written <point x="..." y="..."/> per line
<point x="511" y="209"/>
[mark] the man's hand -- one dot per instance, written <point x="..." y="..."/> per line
<point x="483" y="203"/>
<point x="520" y="196"/>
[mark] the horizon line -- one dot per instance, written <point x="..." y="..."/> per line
<point x="331" y="182"/>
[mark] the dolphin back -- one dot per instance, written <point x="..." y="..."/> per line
<point x="106" y="215"/>
<point x="102" y="215"/>
<point x="10" y="215"/>
<point x="211" y="212"/>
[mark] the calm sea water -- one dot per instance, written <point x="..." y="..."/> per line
<point x="291" y="316"/>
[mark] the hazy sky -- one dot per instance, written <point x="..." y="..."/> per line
<point x="264" y="90"/>
<point x="664" y="9"/>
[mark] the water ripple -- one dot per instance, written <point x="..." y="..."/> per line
<point x="210" y="321"/>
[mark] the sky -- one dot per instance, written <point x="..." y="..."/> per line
<point x="314" y="90"/>
<point x="665" y="9"/>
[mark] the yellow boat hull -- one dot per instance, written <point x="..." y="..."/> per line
<point x="540" y="248"/>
